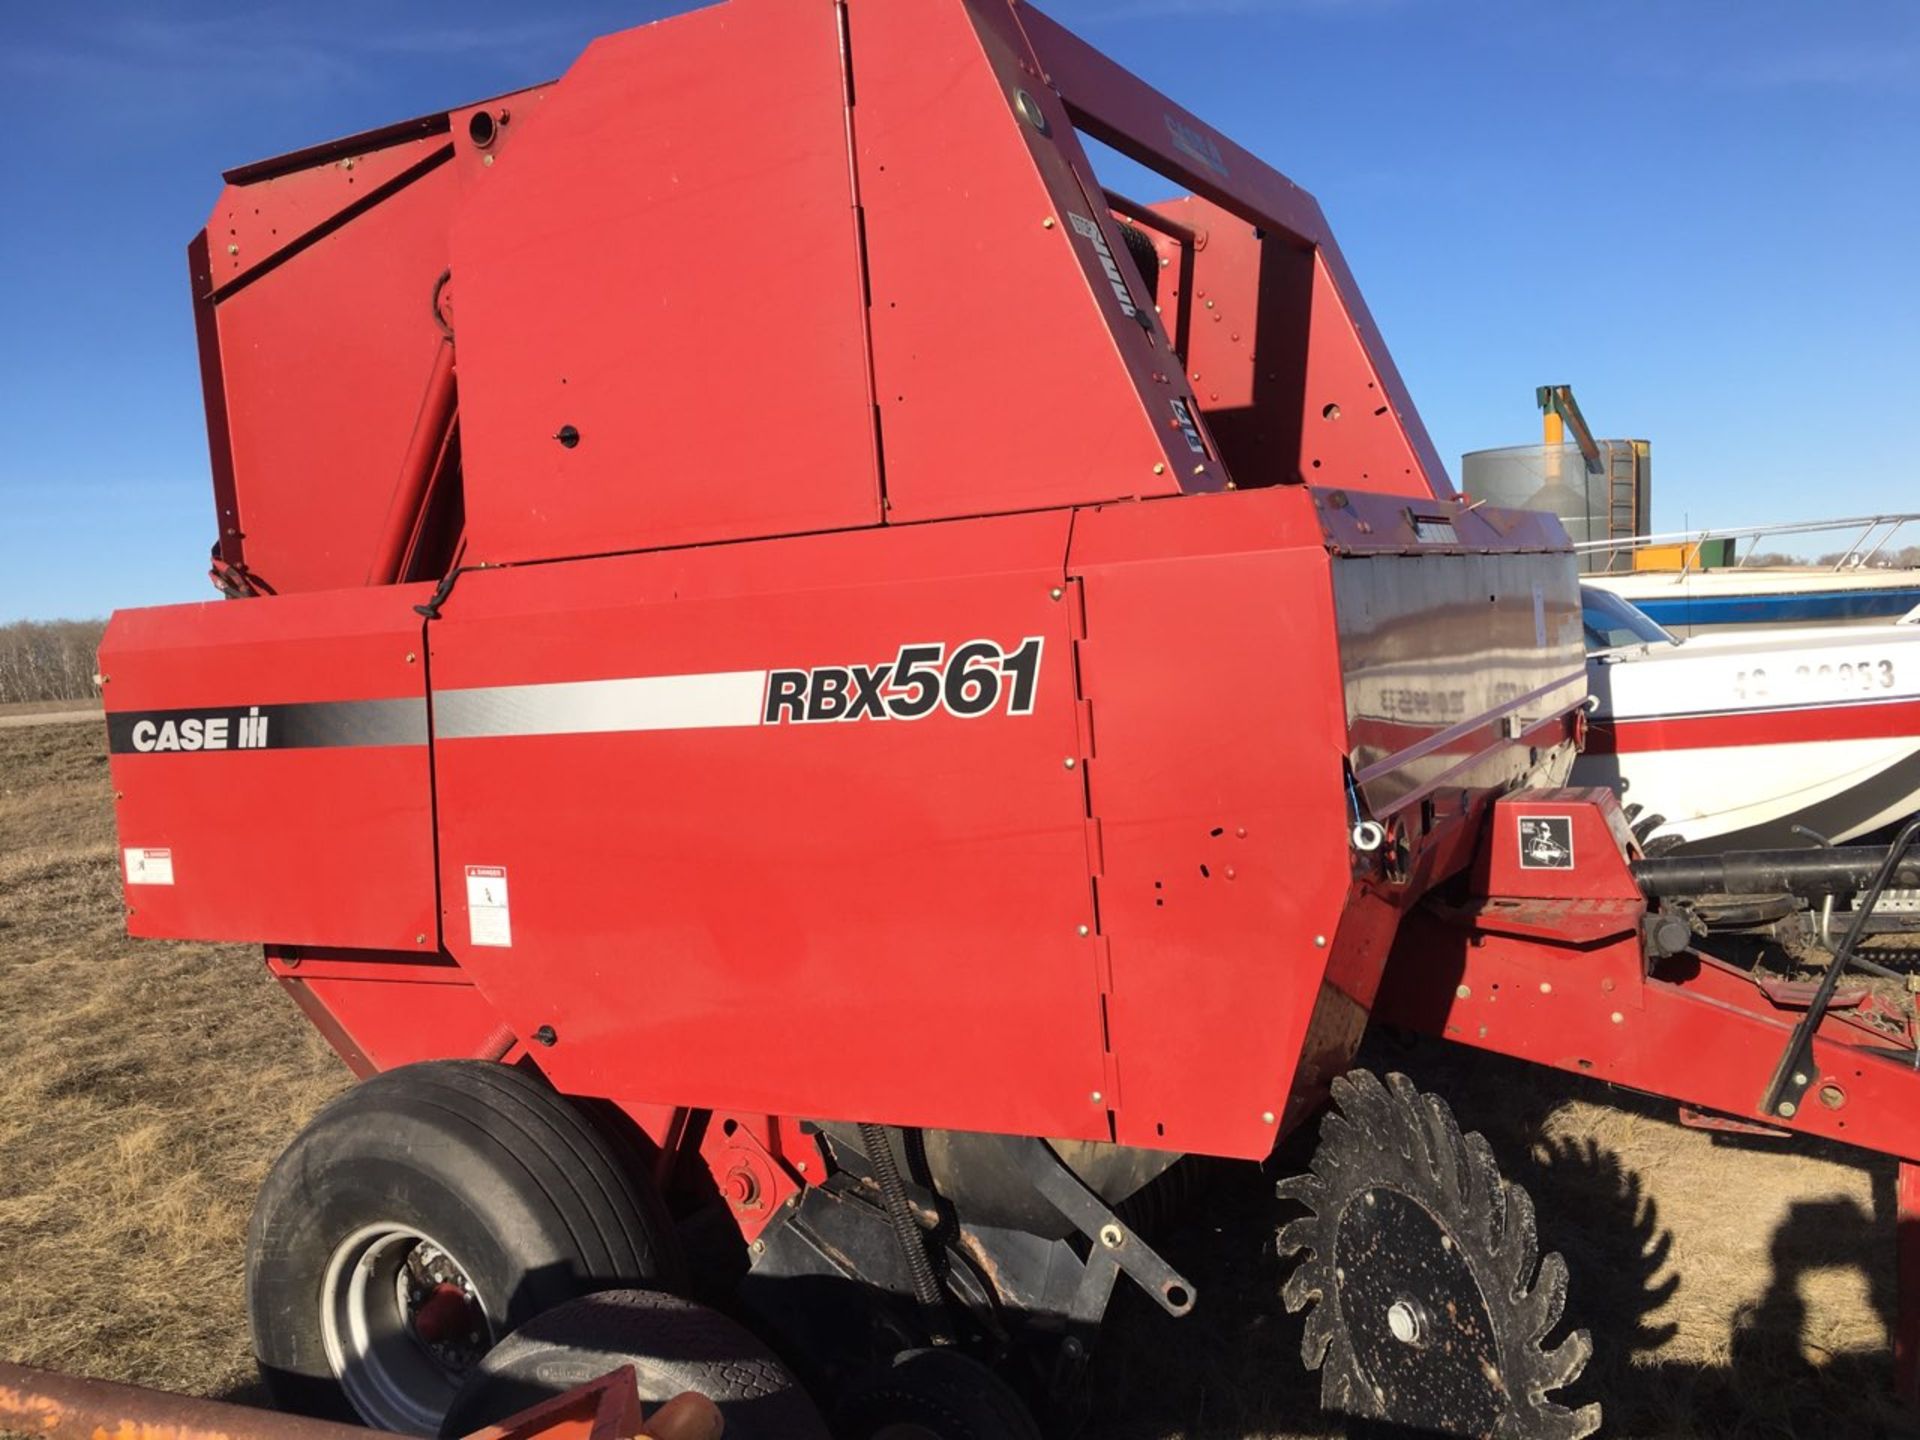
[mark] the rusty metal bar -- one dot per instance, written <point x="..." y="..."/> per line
<point x="41" y="1402"/>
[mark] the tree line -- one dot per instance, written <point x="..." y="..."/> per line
<point x="1904" y="559"/>
<point x="48" y="660"/>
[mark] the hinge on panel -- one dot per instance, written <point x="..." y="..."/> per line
<point x="1085" y="751"/>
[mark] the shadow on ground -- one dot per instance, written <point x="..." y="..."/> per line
<point x="1232" y="1370"/>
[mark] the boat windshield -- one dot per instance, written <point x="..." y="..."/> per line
<point x="1611" y="623"/>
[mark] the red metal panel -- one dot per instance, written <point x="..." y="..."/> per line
<point x="325" y="359"/>
<point x="1700" y="1032"/>
<point x="666" y="259"/>
<point x="264" y="215"/>
<point x="393" y="1022"/>
<point x="1514" y="864"/>
<point x="1277" y="364"/>
<point x="1594" y="1011"/>
<point x="1130" y="115"/>
<point x="316" y="844"/>
<point x="1214" y="690"/>
<point x="1008" y="372"/>
<point x="876" y="919"/>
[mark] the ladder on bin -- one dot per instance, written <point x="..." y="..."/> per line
<point x="1623" y="487"/>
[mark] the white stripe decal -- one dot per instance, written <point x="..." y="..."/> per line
<point x="717" y="700"/>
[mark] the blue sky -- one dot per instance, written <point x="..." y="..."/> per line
<point x="1705" y="214"/>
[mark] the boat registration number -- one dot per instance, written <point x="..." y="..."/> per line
<point x="1844" y="678"/>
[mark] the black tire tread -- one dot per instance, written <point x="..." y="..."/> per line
<point x="600" y="1163"/>
<point x="533" y="1144"/>
<point x="547" y="1122"/>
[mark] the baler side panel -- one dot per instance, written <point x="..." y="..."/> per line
<point x="325" y="357"/>
<point x="1213" y="687"/>
<point x="851" y="918"/>
<point x="308" y="822"/>
<point x="1007" y="372"/>
<point x="268" y="212"/>
<point x="666" y="259"/>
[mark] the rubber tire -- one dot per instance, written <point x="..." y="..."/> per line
<point x="485" y="1158"/>
<point x="672" y="1344"/>
<point x="944" y="1392"/>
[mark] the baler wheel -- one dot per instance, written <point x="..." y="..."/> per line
<point x="421" y="1218"/>
<point x="1431" y="1303"/>
<point x="672" y="1344"/>
<point x="935" y="1394"/>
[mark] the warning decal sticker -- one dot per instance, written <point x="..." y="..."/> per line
<point x="488" y="921"/>
<point x="1546" y="842"/>
<point x="149" y="867"/>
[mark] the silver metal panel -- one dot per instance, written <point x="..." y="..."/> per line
<point x="1447" y="659"/>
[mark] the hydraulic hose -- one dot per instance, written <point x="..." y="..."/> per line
<point x="906" y="1229"/>
<point x="1840" y="869"/>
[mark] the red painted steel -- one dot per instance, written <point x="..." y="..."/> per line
<point x="1547" y="966"/>
<point x="1217" y="923"/>
<point x="759" y="1164"/>
<point x="396" y="1020"/>
<point x="425" y="450"/>
<point x="849" y="918"/>
<point x="991" y="303"/>
<point x="660" y="265"/>
<point x="40" y="1402"/>
<point x="1123" y="111"/>
<point x="271" y="211"/>
<point x="324" y="359"/>
<point x="330" y="845"/>
<point x="1278" y="368"/>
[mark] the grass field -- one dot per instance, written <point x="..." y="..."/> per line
<point x="45" y="707"/>
<point x="1733" y="1289"/>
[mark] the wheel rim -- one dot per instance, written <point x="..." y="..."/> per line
<point x="403" y="1324"/>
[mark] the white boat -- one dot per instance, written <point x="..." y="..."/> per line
<point x="1862" y="584"/>
<point x="1728" y="741"/>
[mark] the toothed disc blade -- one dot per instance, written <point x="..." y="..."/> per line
<point x="1428" y="1305"/>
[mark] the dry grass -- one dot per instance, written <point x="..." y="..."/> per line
<point x="144" y="1089"/>
<point x="1734" y="1289"/>
<point x="45" y="707"/>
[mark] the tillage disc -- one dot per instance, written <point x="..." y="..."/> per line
<point x="1430" y="1299"/>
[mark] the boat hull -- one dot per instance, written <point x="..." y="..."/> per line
<point x="1736" y="741"/>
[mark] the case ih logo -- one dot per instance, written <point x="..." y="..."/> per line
<point x="300" y="726"/>
<point x="970" y="682"/>
<point x="201" y="732"/>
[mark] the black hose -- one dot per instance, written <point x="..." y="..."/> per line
<point x="906" y="1229"/>
<point x="1840" y="869"/>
